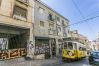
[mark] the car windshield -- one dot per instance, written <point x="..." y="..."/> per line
<point x="95" y="53"/>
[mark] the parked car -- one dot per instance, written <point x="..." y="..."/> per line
<point x="94" y="58"/>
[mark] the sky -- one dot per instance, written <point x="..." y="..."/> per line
<point x="79" y="10"/>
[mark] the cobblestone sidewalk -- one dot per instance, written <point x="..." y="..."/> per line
<point x="44" y="62"/>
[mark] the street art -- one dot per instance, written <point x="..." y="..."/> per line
<point x="11" y="54"/>
<point x="42" y="49"/>
<point x="30" y="48"/>
<point x="3" y="43"/>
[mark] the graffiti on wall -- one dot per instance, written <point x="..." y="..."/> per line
<point x="11" y="54"/>
<point x="3" y="43"/>
<point x="30" y="48"/>
<point x="42" y="49"/>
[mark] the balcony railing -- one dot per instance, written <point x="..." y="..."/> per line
<point x="20" y="13"/>
<point x="50" y="32"/>
<point x="19" y="17"/>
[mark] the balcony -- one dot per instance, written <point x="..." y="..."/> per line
<point x="19" y="17"/>
<point x="51" y="19"/>
<point x="52" y="32"/>
<point x="9" y="21"/>
<point x="20" y="13"/>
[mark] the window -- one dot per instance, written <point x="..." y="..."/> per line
<point x="20" y="13"/>
<point x="57" y="18"/>
<point x="65" y="45"/>
<point x="41" y="10"/>
<point x="50" y="17"/>
<point x="95" y="53"/>
<point x="63" y="23"/>
<point x="70" y="45"/>
<point x="75" y="45"/>
<point x="41" y="24"/>
<point x="80" y="48"/>
<point x="51" y="25"/>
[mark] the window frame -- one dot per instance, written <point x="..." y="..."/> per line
<point x="69" y="47"/>
<point x="41" y="25"/>
<point x="24" y="9"/>
<point x="41" y="10"/>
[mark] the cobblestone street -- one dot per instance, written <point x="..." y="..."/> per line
<point x="83" y="62"/>
<point x="20" y="62"/>
<point x="49" y="62"/>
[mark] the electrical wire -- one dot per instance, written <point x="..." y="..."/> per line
<point x="83" y="21"/>
<point x="82" y="15"/>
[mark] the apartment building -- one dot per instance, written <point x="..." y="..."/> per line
<point x="79" y="37"/>
<point x="49" y="30"/>
<point x="16" y="28"/>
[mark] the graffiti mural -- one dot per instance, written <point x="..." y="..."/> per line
<point x="3" y="43"/>
<point x="10" y="54"/>
<point x="30" y="49"/>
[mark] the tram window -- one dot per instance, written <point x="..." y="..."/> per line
<point x="70" y="45"/>
<point x="80" y="48"/>
<point x="75" y="45"/>
<point x="65" y="45"/>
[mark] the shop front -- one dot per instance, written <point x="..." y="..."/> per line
<point x="42" y="47"/>
<point x="13" y="42"/>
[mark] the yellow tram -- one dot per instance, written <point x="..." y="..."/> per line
<point x="73" y="50"/>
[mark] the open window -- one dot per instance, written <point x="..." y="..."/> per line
<point x="65" y="45"/>
<point x="70" y="45"/>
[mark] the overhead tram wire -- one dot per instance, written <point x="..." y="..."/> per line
<point x="81" y="14"/>
<point x="83" y="21"/>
